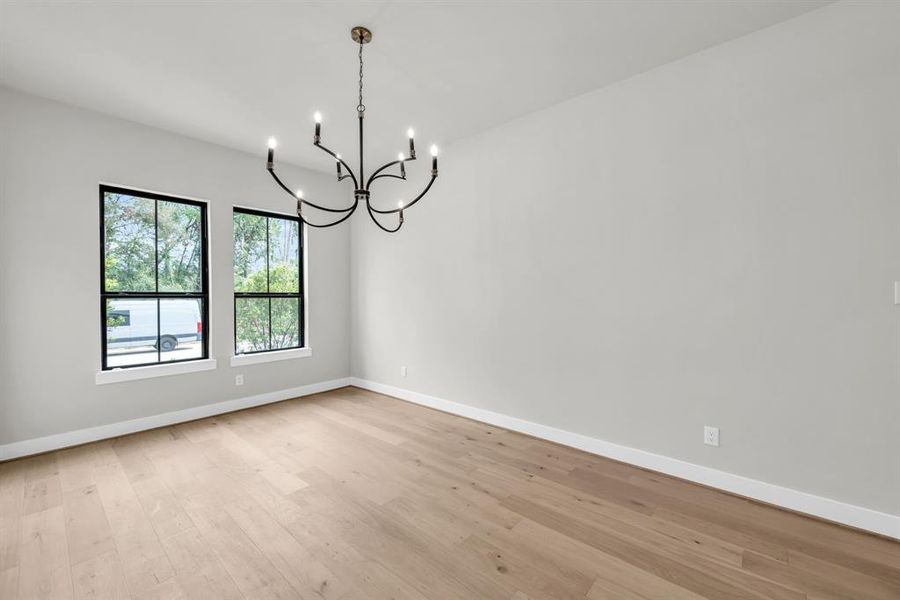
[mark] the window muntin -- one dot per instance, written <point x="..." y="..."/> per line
<point x="268" y="275"/>
<point x="154" y="299"/>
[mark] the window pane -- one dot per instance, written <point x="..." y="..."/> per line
<point x="181" y="329"/>
<point x="285" y="323"/>
<point x="249" y="253"/>
<point x="251" y="324"/>
<point x="284" y="257"/>
<point x="130" y="226"/>
<point x="131" y="340"/>
<point x="179" y="247"/>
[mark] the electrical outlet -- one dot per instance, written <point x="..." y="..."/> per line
<point x="239" y="379"/>
<point x="711" y="436"/>
<point x="403" y="371"/>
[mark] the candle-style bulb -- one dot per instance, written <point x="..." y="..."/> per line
<point x="318" y="117"/>
<point x="338" y="163"/>
<point x="410" y="133"/>
<point x="299" y="194"/>
<point x="434" y="150"/>
<point x="400" y="204"/>
<point x="434" y="153"/>
<point x="270" y="158"/>
<point x="400" y="157"/>
<point x="412" y="143"/>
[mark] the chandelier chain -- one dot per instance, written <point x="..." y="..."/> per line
<point x="361" y="107"/>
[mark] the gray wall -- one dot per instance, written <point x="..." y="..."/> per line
<point x="712" y="242"/>
<point x="51" y="160"/>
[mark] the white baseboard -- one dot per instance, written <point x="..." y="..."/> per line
<point x="817" y="506"/>
<point x="102" y="432"/>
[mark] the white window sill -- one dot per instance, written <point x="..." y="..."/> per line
<point x="130" y="374"/>
<point x="264" y="357"/>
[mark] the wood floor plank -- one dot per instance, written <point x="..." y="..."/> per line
<point x="358" y="425"/>
<point x="9" y="580"/>
<point x="133" y="459"/>
<point x="143" y="559"/>
<point x="408" y="551"/>
<point x="40" y="466"/>
<point x="12" y="504"/>
<point x="42" y="494"/>
<point x="727" y="533"/>
<point x="534" y="578"/>
<point x="825" y="580"/>
<point x="169" y="589"/>
<point x="198" y="570"/>
<point x="350" y="494"/>
<point x="789" y="540"/>
<point x="87" y="529"/>
<point x="253" y="573"/>
<point x="76" y="467"/>
<point x="378" y="582"/>
<point x="43" y="557"/>
<point x="706" y="578"/>
<point x="307" y="575"/>
<point x="610" y="575"/>
<point x="100" y="577"/>
<point x="161" y="507"/>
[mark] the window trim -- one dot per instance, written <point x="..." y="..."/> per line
<point x="274" y="354"/>
<point x="118" y="375"/>
<point x="203" y="295"/>
<point x="239" y="360"/>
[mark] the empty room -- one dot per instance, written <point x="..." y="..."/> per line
<point x="450" y="300"/>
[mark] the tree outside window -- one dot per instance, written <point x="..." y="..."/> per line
<point x="268" y="299"/>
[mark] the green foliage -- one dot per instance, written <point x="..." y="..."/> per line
<point x="253" y="245"/>
<point x="129" y="231"/>
<point x="133" y="241"/>
<point x="249" y="253"/>
<point x="113" y="320"/>
<point x="252" y="322"/>
<point x="179" y="246"/>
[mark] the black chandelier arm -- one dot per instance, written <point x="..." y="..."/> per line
<point x="383" y="228"/>
<point x="406" y="206"/>
<point x="342" y="161"/>
<point x="350" y="212"/>
<point x="386" y="175"/>
<point x="376" y="175"/>
<point x="288" y="190"/>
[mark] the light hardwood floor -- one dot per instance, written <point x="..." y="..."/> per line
<point x="351" y="494"/>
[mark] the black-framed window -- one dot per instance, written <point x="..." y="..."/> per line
<point x="268" y="282"/>
<point x="154" y="279"/>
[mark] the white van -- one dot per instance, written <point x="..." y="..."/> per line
<point x="135" y="323"/>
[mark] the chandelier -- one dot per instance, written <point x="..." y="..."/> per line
<point x="361" y="185"/>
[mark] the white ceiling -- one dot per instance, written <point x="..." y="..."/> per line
<point x="234" y="73"/>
